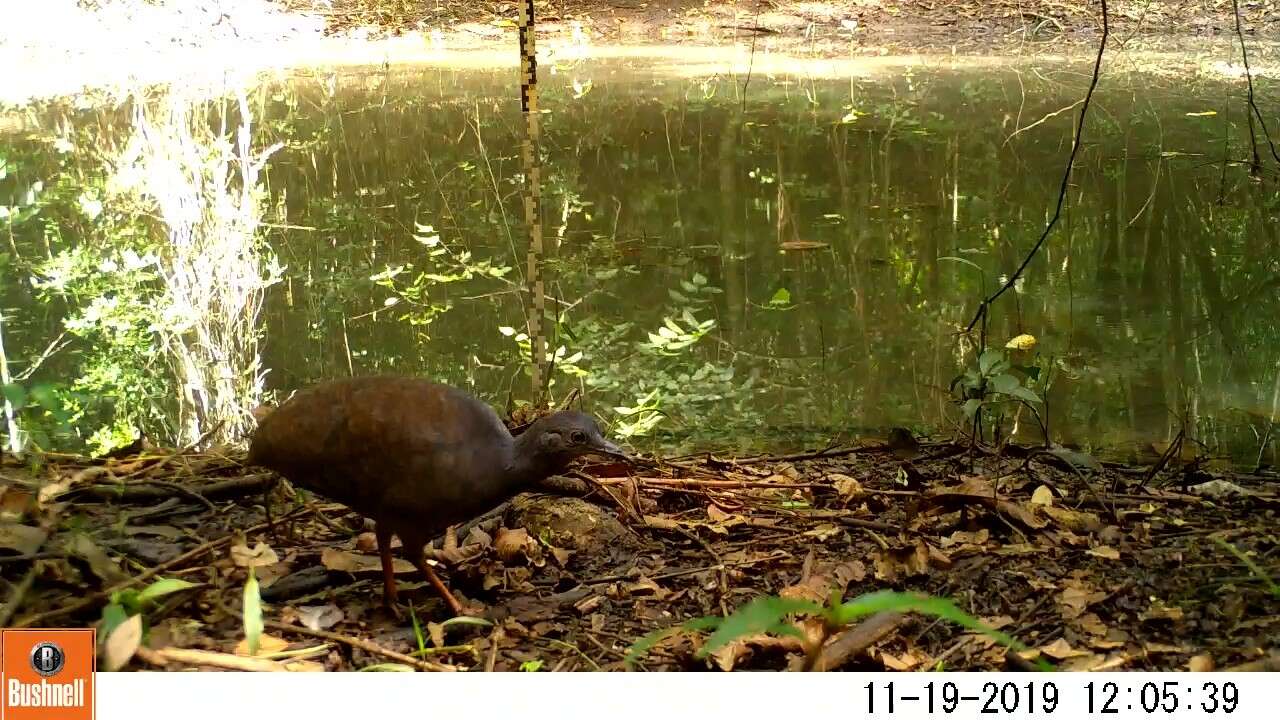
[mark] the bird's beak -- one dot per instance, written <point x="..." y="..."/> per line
<point x="604" y="447"/>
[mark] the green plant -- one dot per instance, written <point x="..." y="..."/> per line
<point x="772" y="614"/>
<point x="252" y="612"/>
<point x="995" y="381"/>
<point x="420" y="292"/>
<point x="124" y="604"/>
<point x="638" y="419"/>
<point x="417" y="632"/>
<point x="1254" y="569"/>
<point x="672" y="338"/>
<point x="44" y="411"/>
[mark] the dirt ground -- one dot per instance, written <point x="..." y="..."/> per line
<point x="1090" y="566"/>
<point x="887" y="25"/>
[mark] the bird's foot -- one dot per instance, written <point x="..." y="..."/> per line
<point x="391" y="603"/>
<point x="471" y="608"/>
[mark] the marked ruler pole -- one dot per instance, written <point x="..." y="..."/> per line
<point x="532" y="196"/>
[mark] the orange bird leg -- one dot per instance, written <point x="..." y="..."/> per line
<point x="454" y="606"/>
<point x="388" y="572"/>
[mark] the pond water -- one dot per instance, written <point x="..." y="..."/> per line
<point x="781" y="261"/>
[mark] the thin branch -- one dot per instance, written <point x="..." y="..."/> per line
<point x="1248" y="74"/>
<point x="981" y="313"/>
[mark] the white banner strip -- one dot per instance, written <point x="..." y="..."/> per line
<point x="709" y="696"/>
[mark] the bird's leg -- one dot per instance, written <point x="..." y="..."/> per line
<point x="266" y="509"/>
<point x="383" y="536"/>
<point x="420" y="559"/>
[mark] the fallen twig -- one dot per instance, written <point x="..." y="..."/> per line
<point x="852" y="641"/>
<point x="208" y="658"/>
<point x="365" y="645"/>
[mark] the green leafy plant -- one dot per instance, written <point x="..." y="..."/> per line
<point x="560" y="357"/>
<point x="639" y="419"/>
<point x="252" y="613"/>
<point x="672" y="337"/>
<point x="781" y="300"/>
<point x="1254" y="569"/>
<point x="996" y="381"/>
<point x="124" y="604"/>
<point x="694" y="291"/>
<point x="772" y="614"/>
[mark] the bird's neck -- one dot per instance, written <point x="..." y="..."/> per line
<point x="527" y="464"/>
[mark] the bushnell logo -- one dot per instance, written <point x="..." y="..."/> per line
<point x="47" y="659"/>
<point x="48" y="673"/>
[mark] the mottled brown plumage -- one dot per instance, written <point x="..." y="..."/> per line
<point x="413" y="455"/>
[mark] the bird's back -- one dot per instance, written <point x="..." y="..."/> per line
<point x="400" y="450"/>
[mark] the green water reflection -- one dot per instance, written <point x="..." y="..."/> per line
<point x="772" y="271"/>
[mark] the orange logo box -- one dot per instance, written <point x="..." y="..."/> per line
<point x="47" y="674"/>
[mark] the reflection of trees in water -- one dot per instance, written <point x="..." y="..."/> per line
<point x="661" y="184"/>
<point x="138" y="270"/>
<point x="195" y="161"/>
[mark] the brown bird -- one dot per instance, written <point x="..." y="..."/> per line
<point x="415" y="456"/>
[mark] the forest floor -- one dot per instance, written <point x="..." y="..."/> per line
<point x="1090" y="566"/>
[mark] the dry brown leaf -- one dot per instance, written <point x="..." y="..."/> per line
<point x="1042" y="496"/>
<point x="99" y="562"/>
<point x="1160" y="611"/>
<point x="726" y="657"/>
<point x="435" y="631"/>
<point x="1074" y="520"/>
<point x="721" y="521"/>
<point x="344" y="561"/>
<point x="908" y="660"/>
<point x="1094" y="663"/>
<point x="51" y="491"/>
<point x="1060" y="649"/>
<point x="260" y="555"/>
<point x="644" y="587"/>
<point x="15" y="503"/>
<point x="319" y="617"/>
<point x="1102" y="644"/>
<point x="1092" y="624"/>
<point x="825" y="531"/>
<point x="267" y="645"/>
<point x="305" y="666"/>
<point x="367" y="542"/>
<point x="849" y="488"/>
<point x="561" y="555"/>
<point x="660" y="523"/>
<point x="1200" y="663"/>
<point x="1076" y="597"/>
<point x="22" y="539"/>
<point x="1105" y="552"/>
<point x="729" y="656"/>
<point x="965" y="537"/>
<point x="588" y="605"/>
<point x="916" y="559"/>
<point x="513" y="543"/>
<point x="979" y="491"/>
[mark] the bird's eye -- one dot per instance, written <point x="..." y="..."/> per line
<point x="578" y="437"/>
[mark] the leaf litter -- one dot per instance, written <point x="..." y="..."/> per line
<point x="1091" y="568"/>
